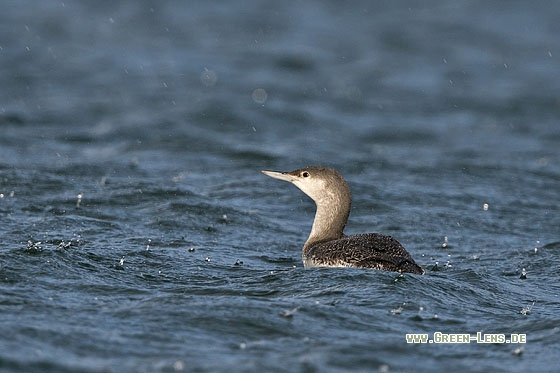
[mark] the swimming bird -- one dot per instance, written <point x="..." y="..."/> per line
<point x="327" y="245"/>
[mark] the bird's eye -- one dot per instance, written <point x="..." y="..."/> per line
<point x="305" y="174"/>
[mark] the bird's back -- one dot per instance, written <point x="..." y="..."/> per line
<point x="369" y="250"/>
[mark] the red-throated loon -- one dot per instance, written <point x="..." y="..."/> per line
<point x="327" y="245"/>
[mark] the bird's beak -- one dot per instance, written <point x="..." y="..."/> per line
<point x="280" y="175"/>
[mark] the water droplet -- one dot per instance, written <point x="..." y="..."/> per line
<point x="289" y="313"/>
<point x="485" y="207"/>
<point x="526" y="310"/>
<point x="259" y="95"/>
<point x="178" y="365"/>
<point x="208" y="77"/>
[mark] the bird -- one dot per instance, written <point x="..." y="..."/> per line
<point x="327" y="245"/>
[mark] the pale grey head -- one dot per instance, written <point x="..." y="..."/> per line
<point x="331" y="194"/>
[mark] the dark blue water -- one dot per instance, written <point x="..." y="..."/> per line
<point x="138" y="234"/>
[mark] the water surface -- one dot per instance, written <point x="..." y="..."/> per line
<point x="139" y="234"/>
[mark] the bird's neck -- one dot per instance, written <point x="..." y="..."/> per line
<point x="330" y="219"/>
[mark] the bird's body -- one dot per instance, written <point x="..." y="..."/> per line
<point x="327" y="245"/>
<point x="367" y="250"/>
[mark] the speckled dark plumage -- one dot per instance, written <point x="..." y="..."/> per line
<point x="368" y="250"/>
